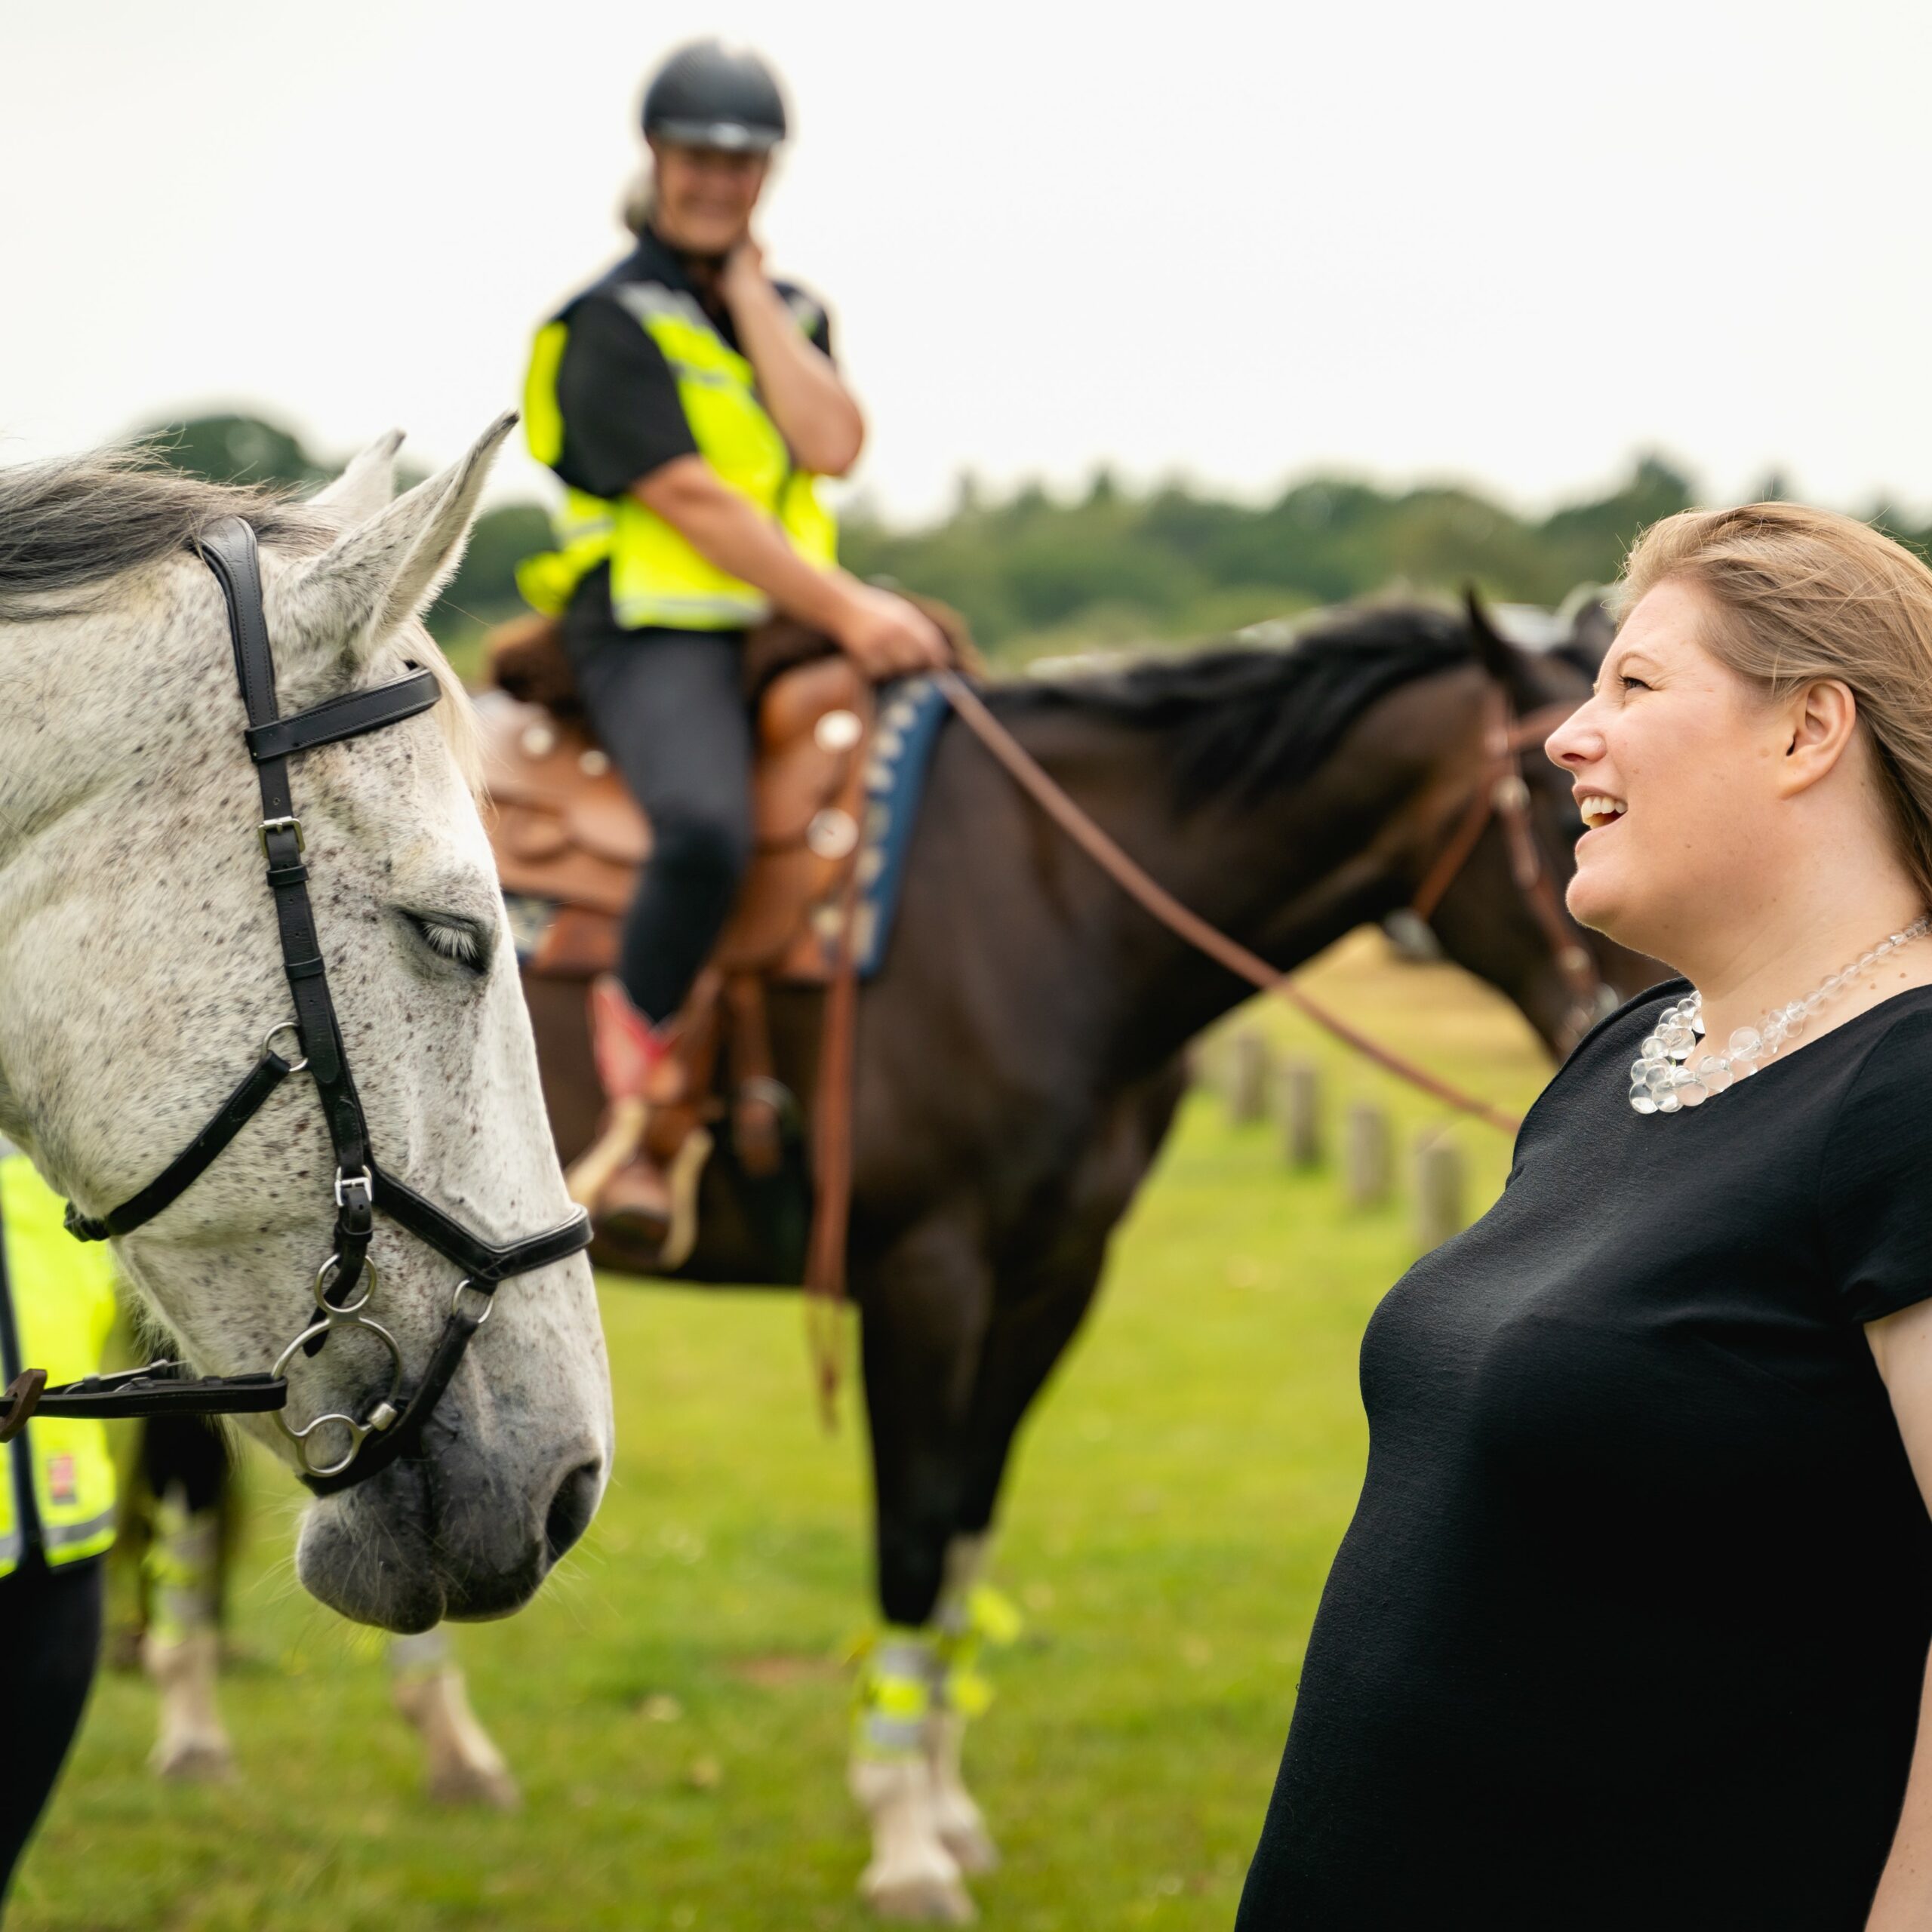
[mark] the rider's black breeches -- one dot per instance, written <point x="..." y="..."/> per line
<point x="668" y="708"/>
<point x="50" y="1639"/>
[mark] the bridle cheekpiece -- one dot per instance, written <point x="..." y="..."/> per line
<point x="346" y="1282"/>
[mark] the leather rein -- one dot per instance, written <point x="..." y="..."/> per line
<point x="1501" y="792"/>
<point x="346" y="1282"/>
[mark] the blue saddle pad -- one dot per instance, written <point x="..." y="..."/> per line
<point x="910" y="713"/>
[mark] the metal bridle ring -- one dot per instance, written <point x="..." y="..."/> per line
<point x="489" y="1301"/>
<point x="357" y="1434"/>
<point x="359" y="1431"/>
<point x="301" y="1059"/>
<point x="324" y="1277"/>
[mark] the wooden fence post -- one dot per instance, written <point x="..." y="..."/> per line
<point x="1301" y="1113"/>
<point x="1441" y="1194"/>
<point x="1248" y="1061"/>
<point x="1368" y="1156"/>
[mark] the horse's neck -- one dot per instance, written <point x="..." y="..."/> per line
<point x="1285" y="873"/>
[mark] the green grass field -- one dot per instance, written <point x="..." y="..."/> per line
<point x="675" y="1703"/>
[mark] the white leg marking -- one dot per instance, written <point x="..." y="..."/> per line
<point x="463" y="1765"/>
<point x="192" y="1746"/>
<point x="956" y="1815"/>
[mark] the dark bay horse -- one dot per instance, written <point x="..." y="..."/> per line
<point x="1019" y="1056"/>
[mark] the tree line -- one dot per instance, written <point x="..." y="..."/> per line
<point x="1033" y="573"/>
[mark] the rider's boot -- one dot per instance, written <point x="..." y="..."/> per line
<point x="625" y="1190"/>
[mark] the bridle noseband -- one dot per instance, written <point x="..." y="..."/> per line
<point x="393" y="1426"/>
<point x="1503" y="793"/>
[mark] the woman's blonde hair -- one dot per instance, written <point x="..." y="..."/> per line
<point x="639" y="205"/>
<point x="1797" y="594"/>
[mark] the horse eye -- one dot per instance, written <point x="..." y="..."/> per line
<point x="462" y="943"/>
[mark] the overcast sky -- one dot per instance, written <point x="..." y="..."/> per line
<point x="1515" y="243"/>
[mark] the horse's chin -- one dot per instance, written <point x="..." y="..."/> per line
<point x="370" y="1555"/>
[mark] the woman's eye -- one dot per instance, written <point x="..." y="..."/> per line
<point x="463" y="942"/>
<point x="1630" y="684"/>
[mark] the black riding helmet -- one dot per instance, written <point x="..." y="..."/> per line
<point x="708" y="95"/>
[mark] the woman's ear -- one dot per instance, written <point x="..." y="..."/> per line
<point x="1820" y="720"/>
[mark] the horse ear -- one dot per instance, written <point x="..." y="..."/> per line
<point x="1590" y="637"/>
<point x="1510" y="667"/>
<point x="387" y="570"/>
<point x="367" y="484"/>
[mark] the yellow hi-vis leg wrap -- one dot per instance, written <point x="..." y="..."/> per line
<point x="183" y="1566"/>
<point x="897" y="1674"/>
<point x="986" y="1617"/>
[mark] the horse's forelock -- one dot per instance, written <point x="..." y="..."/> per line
<point x="70" y="526"/>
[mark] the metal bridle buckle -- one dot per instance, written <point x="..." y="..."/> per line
<point x="291" y="824"/>
<point x="301" y="1059"/>
<point x="365" y="1181"/>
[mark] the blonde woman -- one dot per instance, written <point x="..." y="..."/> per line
<point x="1630" y="1629"/>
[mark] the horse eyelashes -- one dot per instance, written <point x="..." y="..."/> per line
<point x="459" y="941"/>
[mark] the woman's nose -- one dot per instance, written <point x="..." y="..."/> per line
<point x="1577" y="740"/>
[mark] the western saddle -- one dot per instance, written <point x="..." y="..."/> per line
<point x="568" y="836"/>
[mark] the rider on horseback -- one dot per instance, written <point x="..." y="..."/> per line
<point x="688" y="403"/>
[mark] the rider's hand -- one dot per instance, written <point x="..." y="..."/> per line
<point x="743" y="272"/>
<point x="887" y="637"/>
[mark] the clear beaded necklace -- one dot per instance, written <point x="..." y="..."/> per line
<point x="1661" y="1078"/>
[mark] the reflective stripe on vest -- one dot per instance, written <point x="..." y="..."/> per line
<point x="656" y="576"/>
<point x="62" y="1296"/>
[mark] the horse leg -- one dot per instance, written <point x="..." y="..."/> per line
<point x="924" y="1306"/>
<point x="464" y="1766"/>
<point x="1021" y="1348"/>
<point x="186" y="1468"/>
<point x="960" y="1824"/>
<point x="182" y="1650"/>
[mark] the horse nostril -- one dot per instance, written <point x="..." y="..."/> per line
<point x="571" y="1508"/>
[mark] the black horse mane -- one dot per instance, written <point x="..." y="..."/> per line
<point x="1241" y="720"/>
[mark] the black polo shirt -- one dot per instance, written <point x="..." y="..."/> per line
<point x="619" y="401"/>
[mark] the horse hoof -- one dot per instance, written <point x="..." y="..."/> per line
<point x="971" y="1846"/>
<point x="926" y="1898"/>
<point x="194" y="1760"/>
<point x="465" y="1786"/>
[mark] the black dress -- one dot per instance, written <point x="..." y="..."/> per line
<point x="1630" y="1627"/>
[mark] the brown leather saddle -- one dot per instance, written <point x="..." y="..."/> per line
<point x="569" y="839"/>
<point x="567" y="833"/>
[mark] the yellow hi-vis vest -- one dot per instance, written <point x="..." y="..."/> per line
<point x="656" y="576"/>
<point x="60" y="1307"/>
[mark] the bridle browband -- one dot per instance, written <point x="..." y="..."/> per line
<point x="393" y="1426"/>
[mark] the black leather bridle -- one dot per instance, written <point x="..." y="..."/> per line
<point x="393" y="1426"/>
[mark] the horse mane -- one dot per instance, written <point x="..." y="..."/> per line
<point x="70" y="526"/>
<point x="1241" y="720"/>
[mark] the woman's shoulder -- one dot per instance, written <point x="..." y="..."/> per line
<point x="1874" y="1179"/>
<point x="1887" y="1081"/>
